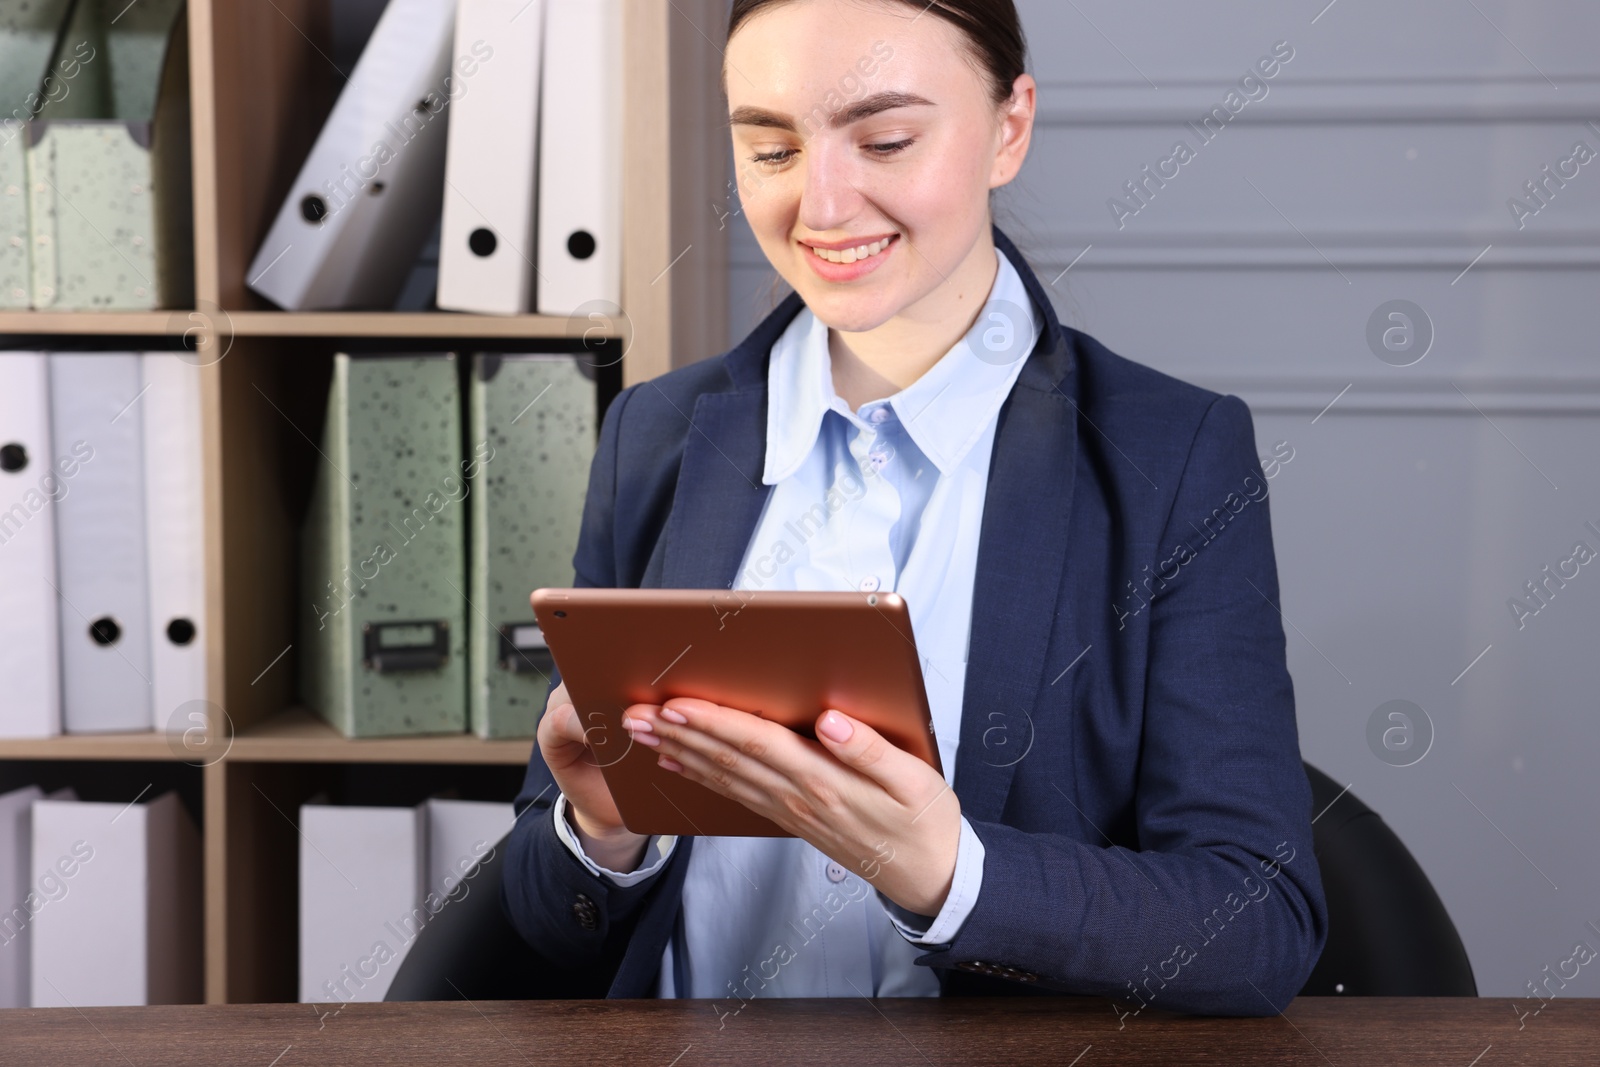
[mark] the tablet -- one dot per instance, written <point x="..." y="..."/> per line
<point x="786" y="656"/>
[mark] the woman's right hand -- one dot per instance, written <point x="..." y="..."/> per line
<point x="565" y="744"/>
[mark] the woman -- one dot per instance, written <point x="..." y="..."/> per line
<point x="1083" y="543"/>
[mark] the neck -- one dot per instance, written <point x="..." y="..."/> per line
<point x="882" y="361"/>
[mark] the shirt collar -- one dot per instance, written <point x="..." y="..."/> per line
<point x="945" y="411"/>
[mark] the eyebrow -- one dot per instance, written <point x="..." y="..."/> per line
<point x="861" y="109"/>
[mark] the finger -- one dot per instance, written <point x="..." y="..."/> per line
<point x="563" y="724"/>
<point x="862" y="749"/>
<point x="721" y="780"/>
<point x="679" y="741"/>
<point x="701" y="723"/>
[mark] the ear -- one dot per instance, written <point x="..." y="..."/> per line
<point x="1016" y="131"/>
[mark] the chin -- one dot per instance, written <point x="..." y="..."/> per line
<point x="850" y="313"/>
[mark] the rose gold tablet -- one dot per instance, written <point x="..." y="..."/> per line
<point x="786" y="656"/>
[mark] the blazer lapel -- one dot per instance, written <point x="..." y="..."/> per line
<point x="1022" y="554"/>
<point x="720" y="493"/>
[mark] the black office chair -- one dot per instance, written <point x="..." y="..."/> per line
<point x="1388" y="933"/>
<point x="470" y="949"/>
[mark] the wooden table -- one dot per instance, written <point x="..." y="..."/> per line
<point x="1070" y="1032"/>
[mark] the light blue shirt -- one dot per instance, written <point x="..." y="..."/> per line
<point x="886" y="497"/>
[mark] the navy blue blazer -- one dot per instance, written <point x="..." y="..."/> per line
<point x="1128" y="755"/>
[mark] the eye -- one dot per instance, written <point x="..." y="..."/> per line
<point x="782" y="155"/>
<point x="891" y="148"/>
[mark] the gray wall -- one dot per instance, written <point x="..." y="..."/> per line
<point x="1376" y="168"/>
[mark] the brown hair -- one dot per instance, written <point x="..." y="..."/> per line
<point x="992" y="28"/>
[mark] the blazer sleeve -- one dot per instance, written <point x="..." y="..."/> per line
<point x="578" y="921"/>
<point x="1221" y="909"/>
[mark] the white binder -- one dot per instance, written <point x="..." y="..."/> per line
<point x="18" y="895"/>
<point x="30" y="483"/>
<point x="368" y="195"/>
<point x="95" y="407"/>
<point x="461" y="833"/>
<point x="361" y="872"/>
<point x="22" y="895"/>
<point x="127" y="928"/>
<point x="175" y="524"/>
<point x="580" y="156"/>
<point x="486" y="244"/>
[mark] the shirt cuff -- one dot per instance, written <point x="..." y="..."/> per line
<point x="958" y="905"/>
<point x="659" y="846"/>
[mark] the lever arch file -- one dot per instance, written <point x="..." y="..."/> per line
<point x="383" y="589"/>
<point x="486" y="244"/>
<point x="539" y="410"/>
<point x="31" y="484"/>
<point x="127" y="931"/>
<point x="175" y="516"/>
<point x="100" y="540"/>
<point x="369" y="193"/>
<point x="580" y="157"/>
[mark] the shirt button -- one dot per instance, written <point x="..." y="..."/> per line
<point x="879" y="415"/>
<point x="869" y="584"/>
<point x="836" y="873"/>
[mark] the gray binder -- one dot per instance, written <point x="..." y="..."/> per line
<point x="100" y="542"/>
<point x="535" y="414"/>
<point x="382" y="596"/>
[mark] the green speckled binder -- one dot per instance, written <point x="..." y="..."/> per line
<point x="28" y="32"/>
<point x="15" y="281"/>
<point x="537" y="414"/>
<point x="92" y="216"/>
<point x="382" y="584"/>
<point x="108" y="173"/>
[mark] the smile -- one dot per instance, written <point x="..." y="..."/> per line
<point x="854" y="255"/>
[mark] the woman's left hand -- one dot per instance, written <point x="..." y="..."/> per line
<point x="876" y="810"/>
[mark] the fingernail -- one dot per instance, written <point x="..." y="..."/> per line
<point x="674" y="716"/>
<point x="835" y="727"/>
<point x="639" y="730"/>
<point x="667" y="763"/>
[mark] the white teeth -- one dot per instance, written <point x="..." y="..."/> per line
<point x="852" y="255"/>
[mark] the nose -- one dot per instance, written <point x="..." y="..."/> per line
<point x="832" y="195"/>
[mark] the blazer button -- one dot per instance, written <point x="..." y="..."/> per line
<point x="585" y="913"/>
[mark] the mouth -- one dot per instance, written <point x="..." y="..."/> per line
<point x="849" y="254"/>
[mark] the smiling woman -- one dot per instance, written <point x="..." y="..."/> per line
<point x="918" y="411"/>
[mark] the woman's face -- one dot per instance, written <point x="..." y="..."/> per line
<point x="865" y="132"/>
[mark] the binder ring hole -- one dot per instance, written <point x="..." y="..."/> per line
<point x="482" y="242"/>
<point x="313" y="208"/>
<point x="180" y="631"/>
<point x="581" y="244"/>
<point x="13" y="457"/>
<point x="105" y="631"/>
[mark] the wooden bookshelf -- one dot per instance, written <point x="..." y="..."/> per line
<point x="298" y="736"/>
<point x="261" y="84"/>
<point x="401" y="324"/>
